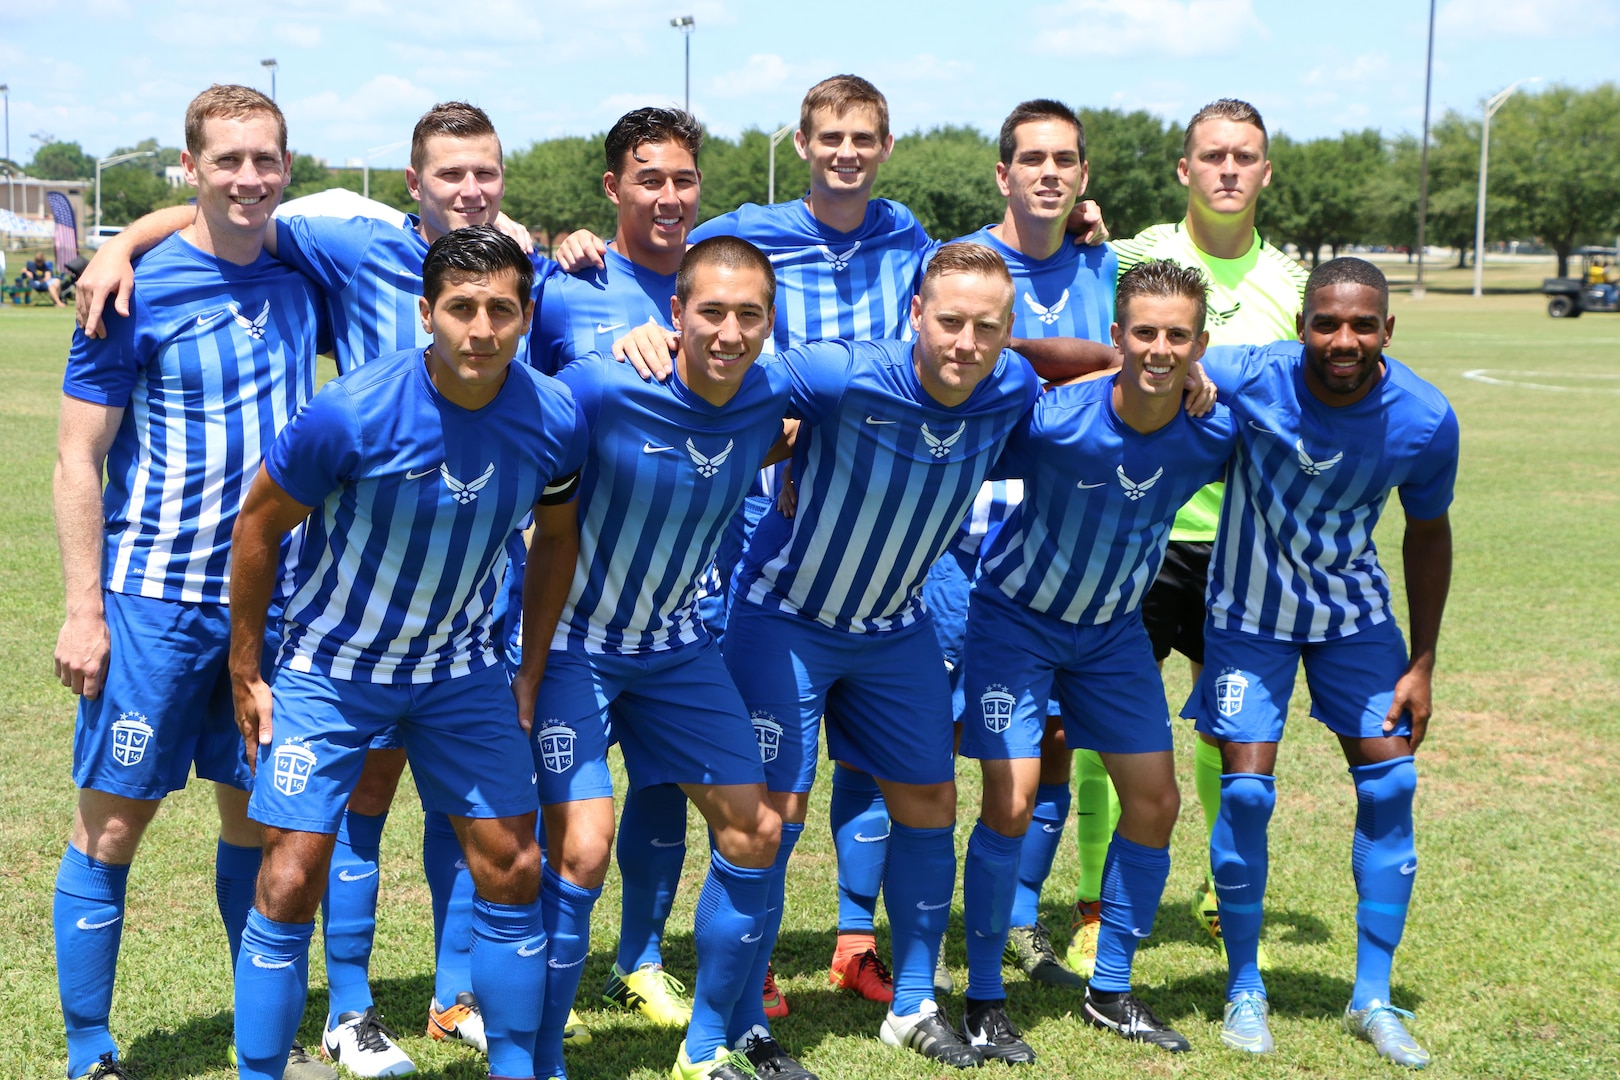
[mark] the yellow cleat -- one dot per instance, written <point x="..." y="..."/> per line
<point x="575" y="1033"/>
<point x="1082" y="951"/>
<point x="651" y="991"/>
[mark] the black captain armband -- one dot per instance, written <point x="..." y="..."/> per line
<point x="560" y="491"/>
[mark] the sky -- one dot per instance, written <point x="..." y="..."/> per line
<point x="354" y="75"/>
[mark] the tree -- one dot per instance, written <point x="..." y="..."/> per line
<point x="1319" y="190"/>
<point x="555" y="187"/>
<point x="1132" y="157"/>
<point x="62" y="161"/>
<point x="739" y="172"/>
<point x="948" y="179"/>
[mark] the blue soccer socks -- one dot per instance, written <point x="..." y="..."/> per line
<point x="567" y="916"/>
<point x="728" y="930"/>
<point x="917" y="892"/>
<point x="509" y="977"/>
<point x="349" y="912"/>
<point x="272" y="979"/>
<point x="651" y="851"/>
<point x="1133" y="882"/>
<point x="450" y="889"/>
<point x="1384" y="862"/>
<point x="1238" y="859"/>
<point x="88" y="918"/>
<point x="236" y="875"/>
<point x="859" y="819"/>
<point x="989" y="879"/>
<point x="750" y="1007"/>
<point x="1040" y="847"/>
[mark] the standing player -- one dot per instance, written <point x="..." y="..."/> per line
<point x="1254" y="298"/>
<point x="371" y="274"/>
<point x="178" y="401"/>
<point x="439" y="452"/>
<point x="1056" y="607"/>
<point x="1328" y="428"/>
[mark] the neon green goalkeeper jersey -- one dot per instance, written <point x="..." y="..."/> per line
<point x="1253" y="300"/>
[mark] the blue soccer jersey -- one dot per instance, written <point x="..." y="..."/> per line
<point x="585" y="312"/>
<point x="885" y="475"/>
<point x="414" y="499"/>
<point x="212" y="361"/>
<point x="371" y="274"/>
<point x="1294" y="558"/>
<point x="665" y="473"/>
<point x="1099" y="497"/>
<point x="854" y="286"/>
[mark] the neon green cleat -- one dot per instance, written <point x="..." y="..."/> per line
<point x="1206" y="909"/>
<point x="1380" y="1024"/>
<point x="727" y="1065"/>
<point x="651" y="991"/>
<point x="1082" y="951"/>
<point x="575" y="1033"/>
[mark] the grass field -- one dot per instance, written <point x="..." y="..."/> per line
<point x="1512" y="955"/>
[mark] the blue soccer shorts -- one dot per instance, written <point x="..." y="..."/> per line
<point x="674" y="713"/>
<point x="1242" y="695"/>
<point x="1104" y="677"/>
<point x="466" y="748"/>
<point x="886" y="699"/>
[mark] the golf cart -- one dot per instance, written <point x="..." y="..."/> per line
<point x="1567" y="297"/>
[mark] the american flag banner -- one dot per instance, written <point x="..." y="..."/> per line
<point x="67" y="237"/>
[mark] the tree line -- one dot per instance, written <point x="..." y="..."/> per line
<point x="1554" y="177"/>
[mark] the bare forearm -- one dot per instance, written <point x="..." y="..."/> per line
<point x="255" y="553"/>
<point x="148" y="232"/>
<point x="1426" y="556"/>
<point x="76" y="495"/>
<point x="1062" y="358"/>
<point x="546" y="580"/>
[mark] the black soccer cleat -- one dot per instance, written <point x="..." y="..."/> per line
<point x="986" y="1028"/>
<point x="928" y="1031"/>
<point x="1130" y="1018"/>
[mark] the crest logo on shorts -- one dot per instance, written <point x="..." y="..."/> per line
<point x="130" y="736"/>
<point x="768" y="733"/>
<point x="997" y="705"/>
<point x="940" y="445"/>
<point x="556" y="742"/>
<point x="293" y="763"/>
<point x="708" y="466"/>
<point x="1229" y="690"/>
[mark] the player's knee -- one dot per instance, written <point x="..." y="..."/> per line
<point x="1006" y="805"/>
<point x="290" y="886"/>
<point x="754" y="841"/>
<point x="1248" y="800"/>
<point x="584" y="859"/>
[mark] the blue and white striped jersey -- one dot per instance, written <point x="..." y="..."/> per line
<point x="853" y="286"/>
<point x="1070" y="294"/>
<point x="212" y="361"/>
<point x="414" y="499"/>
<point x="665" y="473"/>
<point x="585" y="312"/>
<point x="1294" y="557"/>
<point x="1099" y="498"/>
<point x="885" y="475"/>
<point x="371" y="274"/>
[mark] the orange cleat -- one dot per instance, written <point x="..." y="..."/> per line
<point x="857" y="967"/>
<point x="776" y="1005"/>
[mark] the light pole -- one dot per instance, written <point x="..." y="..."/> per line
<point x="1491" y="105"/>
<point x="1419" y="290"/>
<point x="686" y="24"/>
<point x="5" y="91"/>
<point x="365" y="178"/>
<point x="116" y="159"/>
<point x="776" y="136"/>
<point x="273" y="66"/>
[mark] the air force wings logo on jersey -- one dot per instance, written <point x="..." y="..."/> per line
<point x="556" y="742"/>
<point x="768" y="733"/>
<point x="1134" y="490"/>
<point x="708" y="466"/>
<point x="1310" y="466"/>
<point x="1229" y="690"/>
<point x="131" y="735"/>
<point x="839" y="261"/>
<point x="941" y="447"/>
<point x="465" y="493"/>
<point x="1048" y="315"/>
<point x="294" y="762"/>
<point x="997" y="705"/>
<point x="254" y="326"/>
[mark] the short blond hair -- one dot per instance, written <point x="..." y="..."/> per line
<point x="229" y="102"/>
<point x="964" y="258"/>
<point x="1239" y="112"/>
<point x="840" y="94"/>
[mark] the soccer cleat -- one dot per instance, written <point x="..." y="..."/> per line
<point x="1030" y="949"/>
<point x="1244" y="1026"/>
<point x="364" y="1045"/>
<point x="300" y="1066"/>
<point x="986" y="1028"/>
<point x="461" y="1022"/>
<point x="108" y="1068"/>
<point x="575" y="1033"/>
<point x="944" y="981"/>
<point x="864" y="974"/>
<point x="1206" y="909"/>
<point x="928" y="1031"/>
<point x="727" y="1065"/>
<point x="1130" y="1018"/>
<point x="1082" y="951"/>
<point x="651" y="991"/>
<point x="768" y="1058"/>
<point x="1380" y="1024"/>
<point x="776" y="1005"/>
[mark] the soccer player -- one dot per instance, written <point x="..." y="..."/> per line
<point x="1254" y="298"/>
<point x="1105" y="465"/>
<point x="1065" y="297"/>
<point x="178" y="401"/>
<point x="408" y="474"/>
<point x="668" y="467"/>
<point x="1328" y="426"/>
<point x="370" y="273"/>
<point x="652" y="178"/>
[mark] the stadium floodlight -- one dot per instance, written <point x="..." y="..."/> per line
<point x="686" y="24"/>
<point x="1491" y="105"/>
<point x="116" y="159"/>
<point x="273" y="66"/>
<point x="365" y="177"/>
<point x="776" y="136"/>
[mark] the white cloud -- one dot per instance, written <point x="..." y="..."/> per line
<point x="303" y="35"/>
<point x="1516" y="19"/>
<point x="1367" y="68"/>
<point x="1154" y="30"/>
<point x="762" y="73"/>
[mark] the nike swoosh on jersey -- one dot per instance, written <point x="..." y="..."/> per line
<point x="417" y="474"/>
<point x="1083" y="486"/>
<point x="82" y="925"/>
<point x="344" y="875"/>
<point x="600" y="329"/>
<point x="649" y="448"/>
<point x="1259" y="427"/>
<point x="874" y="421"/>
<point x="204" y="320"/>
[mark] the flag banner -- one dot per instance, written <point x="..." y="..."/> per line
<point x="67" y="237"/>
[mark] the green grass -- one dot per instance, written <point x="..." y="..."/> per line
<point x="1512" y="955"/>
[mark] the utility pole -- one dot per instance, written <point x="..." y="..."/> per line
<point x="686" y="24"/>
<point x="1420" y="290"/>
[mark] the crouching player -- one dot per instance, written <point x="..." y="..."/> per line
<point x="1329" y="425"/>
<point x="1056" y="608"/>
<point x="420" y="463"/>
